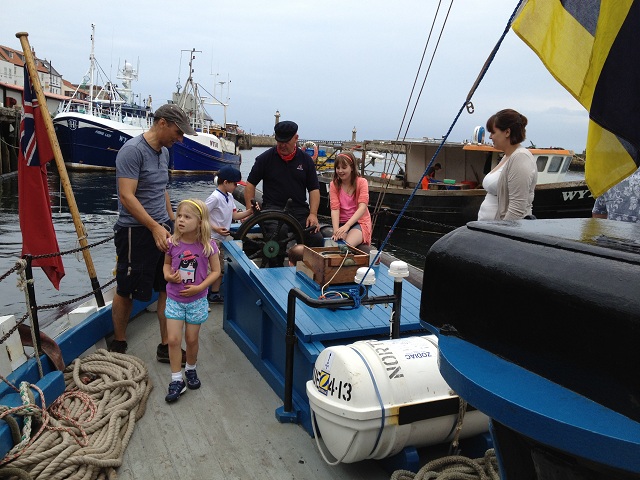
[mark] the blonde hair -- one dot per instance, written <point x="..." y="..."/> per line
<point x="203" y="234"/>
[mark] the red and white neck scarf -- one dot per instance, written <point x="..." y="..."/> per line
<point x="286" y="158"/>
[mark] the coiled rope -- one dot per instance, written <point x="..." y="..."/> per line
<point x="85" y="432"/>
<point x="455" y="467"/>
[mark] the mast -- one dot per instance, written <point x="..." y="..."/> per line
<point x="92" y="61"/>
<point x="62" y="170"/>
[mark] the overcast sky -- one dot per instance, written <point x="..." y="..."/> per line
<point x="328" y="65"/>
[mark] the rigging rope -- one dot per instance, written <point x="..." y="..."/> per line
<point x="466" y="104"/>
<point x="415" y="106"/>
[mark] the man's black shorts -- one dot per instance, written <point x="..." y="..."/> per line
<point x="139" y="265"/>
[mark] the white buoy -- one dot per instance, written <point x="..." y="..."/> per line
<point x="373" y="398"/>
<point x="478" y="135"/>
<point x="365" y="275"/>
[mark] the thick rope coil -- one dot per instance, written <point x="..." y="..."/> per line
<point x="13" y="473"/>
<point x="106" y="394"/>
<point x="455" y="467"/>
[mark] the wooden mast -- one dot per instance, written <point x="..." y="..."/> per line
<point x="57" y="154"/>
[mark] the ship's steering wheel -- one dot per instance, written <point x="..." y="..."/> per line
<point x="279" y="231"/>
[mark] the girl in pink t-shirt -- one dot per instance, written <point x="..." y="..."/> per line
<point x="349" y="195"/>
<point x="191" y="265"/>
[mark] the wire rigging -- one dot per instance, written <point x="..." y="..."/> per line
<point x="390" y="166"/>
<point x="465" y="104"/>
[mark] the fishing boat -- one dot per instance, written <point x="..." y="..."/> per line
<point x="211" y="149"/>
<point x="325" y="155"/>
<point x="547" y="362"/>
<point x="454" y="198"/>
<point x="92" y="126"/>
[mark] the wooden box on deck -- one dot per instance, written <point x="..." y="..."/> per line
<point x="326" y="267"/>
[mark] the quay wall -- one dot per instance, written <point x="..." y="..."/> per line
<point x="263" y="141"/>
<point x="9" y="131"/>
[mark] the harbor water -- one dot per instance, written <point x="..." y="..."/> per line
<point x="95" y="195"/>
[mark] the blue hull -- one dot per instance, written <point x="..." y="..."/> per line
<point x="193" y="156"/>
<point x="255" y="317"/>
<point x="85" y="143"/>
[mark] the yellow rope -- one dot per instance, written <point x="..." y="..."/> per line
<point x="106" y="394"/>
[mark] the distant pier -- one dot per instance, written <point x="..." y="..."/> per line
<point x="383" y="146"/>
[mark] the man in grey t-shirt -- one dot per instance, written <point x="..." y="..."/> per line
<point x="144" y="221"/>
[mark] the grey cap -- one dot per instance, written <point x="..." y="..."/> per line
<point x="173" y="113"/>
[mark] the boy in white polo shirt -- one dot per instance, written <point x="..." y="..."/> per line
<point x="222" y="211"/>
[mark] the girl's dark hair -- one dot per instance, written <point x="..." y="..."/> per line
<point x="514" y="121"/>
<point x="343" y="159"/>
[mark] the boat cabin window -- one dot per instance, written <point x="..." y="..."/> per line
<point x="541" y="162"/>
<point x="555" y="164"/>
<point x="565" y="165"/>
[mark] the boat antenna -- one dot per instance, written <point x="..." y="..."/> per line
<point x="92" y="68"/>
<point x="178" y="83"/>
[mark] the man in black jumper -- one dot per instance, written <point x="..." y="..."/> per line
<point x="287" y="172"/>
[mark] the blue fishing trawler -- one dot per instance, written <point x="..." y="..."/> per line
<point x="92" y="128"/>
<point x="212" y="148"/>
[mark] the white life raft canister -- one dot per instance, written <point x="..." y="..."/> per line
<point x="373" y="398"/>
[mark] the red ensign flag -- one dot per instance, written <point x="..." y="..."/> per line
<point x="34" y="207"/>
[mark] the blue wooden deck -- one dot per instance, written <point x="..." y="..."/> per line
<point x="255" y="317"/>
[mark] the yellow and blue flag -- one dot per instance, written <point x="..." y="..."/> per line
<point x="592" y="47"/>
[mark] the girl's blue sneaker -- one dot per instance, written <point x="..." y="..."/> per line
<point x="193" y="382"/>
<point x="176" y="388"/>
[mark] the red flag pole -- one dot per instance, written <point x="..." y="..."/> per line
<point x="57" y="154"/>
